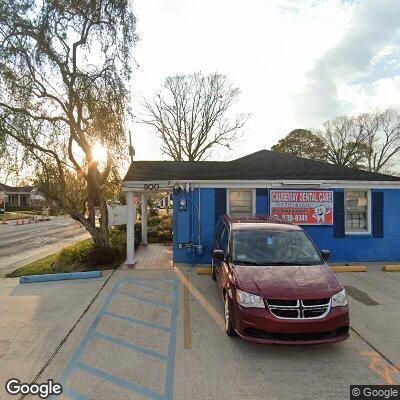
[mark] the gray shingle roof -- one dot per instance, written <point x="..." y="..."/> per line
<point x="15" y="189"/>
<point x="262" y="165"/>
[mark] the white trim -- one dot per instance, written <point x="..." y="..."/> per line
<point x="369" y="214"/>
<point x="165" y="186"/>
<point x="144" y="218"/>
<point x="130" y="228"/>
<point x="253" y="199"/>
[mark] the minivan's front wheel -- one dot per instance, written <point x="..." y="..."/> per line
<point x="229" y="328"/>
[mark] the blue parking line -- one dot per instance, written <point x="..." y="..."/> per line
<point x="74" y="395"/>
<point x="119" y="381"/>
<point x="81" y="348"/>
<point x="137" y="321"/>
<point x="166" y="305"/>
<point x="75" y="362"/>
<point x="130" y="346"/>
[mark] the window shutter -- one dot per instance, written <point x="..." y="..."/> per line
<point x="262" y="201"/>
<point x="377" y="214"/>
<point x="220" y="202"/>
<point x="338" y="214"/>
<point x="262" y="192"/>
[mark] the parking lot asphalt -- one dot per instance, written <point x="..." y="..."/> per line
<point x="158" y="334"/>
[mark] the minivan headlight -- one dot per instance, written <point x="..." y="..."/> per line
<point x="249" y="300"/>
<point x="339" y="299"/>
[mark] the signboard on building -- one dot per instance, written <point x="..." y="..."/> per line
<point x="302" y="207"/>
<point x="117" y="214"/>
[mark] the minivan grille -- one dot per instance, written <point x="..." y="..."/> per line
<point x="299" y="309"/>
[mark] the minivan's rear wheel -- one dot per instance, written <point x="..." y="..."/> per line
<point x="229" y="329"/>
<point x="213" y="275"/>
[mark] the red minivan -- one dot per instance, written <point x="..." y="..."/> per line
<point x="275" y="283"/>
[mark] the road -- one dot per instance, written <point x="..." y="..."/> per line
<point x="20" y="244"/>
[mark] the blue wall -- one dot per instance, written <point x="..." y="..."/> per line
<point x="351" y="248"/>
<point x="186" y="221"/>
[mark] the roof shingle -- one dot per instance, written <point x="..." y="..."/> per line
<point x="262" y="165"/>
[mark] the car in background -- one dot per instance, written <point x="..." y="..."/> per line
<point x="275" y="283"/>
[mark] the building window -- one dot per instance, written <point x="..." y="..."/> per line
<point x="357" y="211"/>
<point x="241" y="202"/>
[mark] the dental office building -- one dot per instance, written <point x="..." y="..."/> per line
<point x="353" y="213"/>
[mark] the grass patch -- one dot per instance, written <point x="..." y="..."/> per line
<point x="79" y="257"/>
<point x="39" y="267"/>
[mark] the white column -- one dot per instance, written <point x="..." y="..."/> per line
<point x="130" y="228"/>
<point x="144" y="218"/>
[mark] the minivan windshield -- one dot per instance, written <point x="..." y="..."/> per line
<point x="270" y="247"/>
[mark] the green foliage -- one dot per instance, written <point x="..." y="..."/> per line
<point x="301" y="143"/>
<point x="75" y="255"/>
<point x="159" y="229"/>
<point x="64" y="70"/>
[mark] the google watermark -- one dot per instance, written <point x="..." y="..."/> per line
<point x="43" y="390"/>
<point x="374" y="392"/>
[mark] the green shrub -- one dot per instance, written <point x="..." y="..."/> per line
<point x="117" y="237"/>
<point x="154" y="221"/>
<point x="78" y="254"/>
<point x="165" y="236"/>
<point x="138" y="231"/>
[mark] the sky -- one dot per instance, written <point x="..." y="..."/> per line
<point x="296" y="62"/>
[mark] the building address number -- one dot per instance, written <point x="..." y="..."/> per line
<point x="151" y="186"/>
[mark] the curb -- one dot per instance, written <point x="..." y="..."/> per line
<point x="203" y="270"/>
<point x="59" y="277"/>
<point x="391" y="268"/>
<point x="349" y="268"/>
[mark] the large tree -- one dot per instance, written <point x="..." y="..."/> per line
<point x="64" y="65"/>
<point x="344" y="141"/>
<point x="301" y="143"/>
<point x="191" y="115"/>
<point x="381" y="130"/>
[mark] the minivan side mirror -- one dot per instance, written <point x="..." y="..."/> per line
<point x="219" y="255"/>
<point x="325" y="254"/>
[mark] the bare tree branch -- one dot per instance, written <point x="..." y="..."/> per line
<point x="191" y="115"/>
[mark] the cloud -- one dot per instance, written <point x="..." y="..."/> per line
<point x="372" y="32"/>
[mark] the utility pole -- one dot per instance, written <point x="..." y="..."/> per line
<point x="131" y="149"/>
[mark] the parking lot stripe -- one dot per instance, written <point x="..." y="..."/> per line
<point x="130" y="346"/>
<point x="137" y="321"/>
<point x="74" y="395"/>
<point x="201" y="299"/>
<point x="187" y="331"/>
<point x="119" y="381"/>
<point x="166" y="305"/>
<point x="75" y="362"/>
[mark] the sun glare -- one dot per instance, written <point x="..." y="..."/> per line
<point x="99" y="153"/>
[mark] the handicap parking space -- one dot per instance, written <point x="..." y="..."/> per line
<point x="159" y="335"/>
<point x="135" y="327"/>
